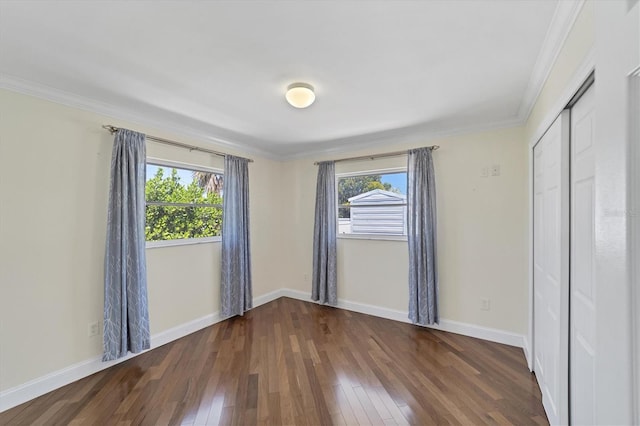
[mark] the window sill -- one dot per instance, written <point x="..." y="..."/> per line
<point x="372" y="237"/>
<point x="183" y="242"/>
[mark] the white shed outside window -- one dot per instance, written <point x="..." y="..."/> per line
<point x="377" y="212"/>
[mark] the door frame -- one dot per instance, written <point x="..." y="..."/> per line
<point x="575" y="83"/>
<point x="571" y="93"/>
<point x="634" y="202"/>
<point x="563" y="124"/>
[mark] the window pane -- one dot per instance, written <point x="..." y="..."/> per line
<point x="344" y="212"/>
<point x="176" y="185"/>
<point x="173" y="223"/>
<point x="372" y="204"/>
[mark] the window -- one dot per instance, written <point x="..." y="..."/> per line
<point x="183" y="204"/>
<point x="373" y="204"/>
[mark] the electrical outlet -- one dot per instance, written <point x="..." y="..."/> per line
<point x="495" y="170"/>
<point x="94" y="328"/>
<point x="484" y="172"/>
<point x="485" y="304"/>
<point x="306" y="278"/>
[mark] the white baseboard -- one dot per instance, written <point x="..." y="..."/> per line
<point x="466" y="329"/>
<point x="41" y="385"/>
<point x="526" y="347"/>
<point x="480" y="332"/>
<point x="266" y="298"/>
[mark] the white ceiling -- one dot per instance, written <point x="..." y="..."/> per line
<point x="381" y="69"/>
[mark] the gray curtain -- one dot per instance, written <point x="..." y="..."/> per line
<point x="126" y="313"/>
<point x="421" y="228"/>
<point x="324" y="288"/>
<point x="235" y="291"/>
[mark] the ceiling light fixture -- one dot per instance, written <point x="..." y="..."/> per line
<point x="300" y="95"/>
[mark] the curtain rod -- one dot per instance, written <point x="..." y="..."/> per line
<point x="374" y="156"/>
<point x="113" y="129"/>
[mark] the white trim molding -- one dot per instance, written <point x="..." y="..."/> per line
<point x="571" y="88"/>
<point x="156" y="161"/>
<point x="198" y="130"/>
<point x="562" y="22"/>
<point x="564" y="17"/>
<point x="411" y="136"/>
<point x="182" y="242"/>
<point x="527" y="352"/>
<point x="380" y="237"/>
<point x="57" y="379"/>
<point x="466" y="329"/>
<point x="634" y="219"/>
<point x="530" y="327"/>
<point x="586" y="67"/>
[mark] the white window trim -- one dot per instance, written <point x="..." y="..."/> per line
<point x="154" y="161"/>
<point x="182" y="242"/>
<point x="371" y="172"/>
<point x="382" y="237"/>
<point x="378" y="237"/>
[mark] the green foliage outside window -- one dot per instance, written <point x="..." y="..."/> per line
<point x="171" y="222"/>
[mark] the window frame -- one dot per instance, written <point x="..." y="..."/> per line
<point x="378" y="237"/>
<point x="154" y="161"/>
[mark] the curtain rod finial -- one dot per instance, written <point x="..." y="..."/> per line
<point x="111" y="129"/>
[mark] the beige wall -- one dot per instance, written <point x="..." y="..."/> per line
<point x="54" y="167"/>
<point x="54" y="181"/>
<point x="481" y="233"/>
<point x="54" y="174"/>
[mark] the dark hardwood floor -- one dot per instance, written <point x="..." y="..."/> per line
<point x="291" y="362"/>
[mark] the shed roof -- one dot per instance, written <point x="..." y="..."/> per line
<point x="378" y="196"/>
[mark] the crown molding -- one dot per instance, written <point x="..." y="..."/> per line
<point x="562" y="22"/>
<point x="563" y="19"/>
<point x="411" y="135"/>
<point x="586" y="67"/>
<point x="419" y="133"/>
<point x="407" y="135"/>
<point x="48" y="93"/>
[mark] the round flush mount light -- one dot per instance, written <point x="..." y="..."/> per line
<point x="300" y="95"/>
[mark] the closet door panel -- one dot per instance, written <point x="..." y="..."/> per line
<point x="551" y="272"/>
<point x="583" y="301"/>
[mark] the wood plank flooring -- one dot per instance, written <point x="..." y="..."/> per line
<point x="297" y="363"/>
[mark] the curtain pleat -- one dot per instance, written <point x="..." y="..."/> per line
<point x="421" y="229"/>
<point x="324" y="282"/>
<point x="235" y="292"/>
<point x="126" y="313"/>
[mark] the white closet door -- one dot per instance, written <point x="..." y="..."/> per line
<point x="551" y="271"/>
<point x="583" y="301"/>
